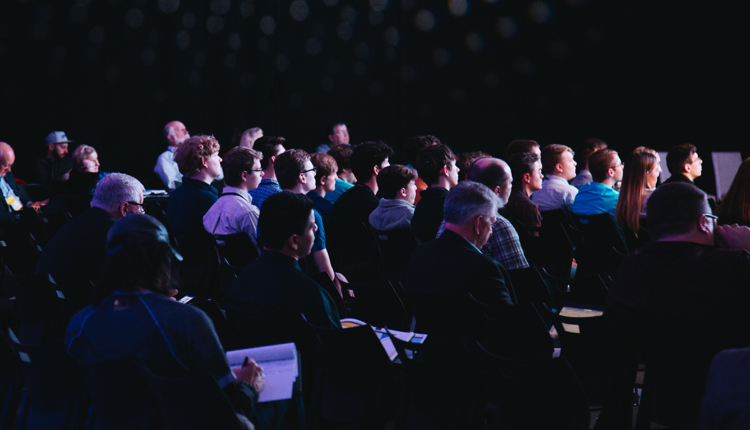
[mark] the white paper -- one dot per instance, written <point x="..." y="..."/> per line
<point x="580" y="312"/>
<point x="280" y="366"/>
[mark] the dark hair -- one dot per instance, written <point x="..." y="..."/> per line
<point x="465" y="159"/>
<point x="282" y="215"/>
<point x="634" y="181"/>
<point x="600" y="162"/>
<point x="416" y="144"/>
<point x="150" y="266"/>
<point x="520" y="164"/>
<point x="586" y="148"/>
<point x="288" y="167"/>
<point x="325" y="165"/>
<point x="678" y="157"/>
<point x="236" y="161"/>
<point x="552" y="156"/>
<point x="269" y="147"/>
<point x="674" y="208"/>
<point x="492" y="174"/>
<point x="343" y="156"/>
<point x="735" y="206"/>
<point x="366" y="156"/>
<point x="393" y="178"/>
<point x="332" y="127"/>
<point x="431" y="161"/>
<point x="519" y="146"/>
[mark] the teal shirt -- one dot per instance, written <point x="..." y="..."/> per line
<point x="341" y="187"/>
<point x="595" y="198"/>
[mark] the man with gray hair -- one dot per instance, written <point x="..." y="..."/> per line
<point x="453" y="263"/>
<point x="76" y="252"/>
<point x="250" y="136"/>
<point x="175" y="133"/>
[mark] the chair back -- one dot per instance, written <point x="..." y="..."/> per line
<point x="354" y="244"/>
<point x="224" y="328"/>
<point x="726" y="165"/>
<point x="200" y="265"/>
<point x="585" y="290"/>
<point x="529" y="286"/>
<point x="378" y="304"/>
<point x="601" y="247"/>
<point x="21" y="253"/>
<point x="40" y="309"/>
<point x="325" y="281"/>
<point x="395" y="247"/>
<point x="11" y="384"/>
<point x="238" y="249"/>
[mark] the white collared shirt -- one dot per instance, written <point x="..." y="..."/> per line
<point x="233" y="214"/>
<point x="167" y="169"/>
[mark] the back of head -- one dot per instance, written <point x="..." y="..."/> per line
<point x="190" y="154"/>
<point x="269" y="146"/>
<point x="288" y="167"/>
<point x="250" y="136"/>
<point x="431" y="160"/>
<point x="238" y="160"/>
<point x="586" y="148"/>
<point x="115" y="189"/>
<point x="283" y="214"/>
<point x="678" y="157"/>
<point x="80" y="154"/>
<point x="324" y="165"/>
<point x="393" y="178"/>
<point x="469" y="199"/>
<point x="630" y="201"/>
<point x="465" y="160"/>
<point x="368" y="155"/>
<point x="521" y="164"/>
<point x="600" y="162"/>
<point x="735" y="206"/>
<point x="489" y="172"/>
<point x="552" y="155"/>
<point x="343" y="156"/>
<point x="416" y="144"/>
<point x="674" y="209"/>
<point x="519" y="146"/>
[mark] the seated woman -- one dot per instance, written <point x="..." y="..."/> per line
<point x="397" y="186"/>
<point x="638" y="182"/>
<point x="735" y="206"/>
<point x="85" y="174"/>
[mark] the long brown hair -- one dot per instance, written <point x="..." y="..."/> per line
<point x="634" y="178"/>
<point x="735" y="207"/>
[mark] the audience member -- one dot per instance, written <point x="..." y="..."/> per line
<point x="199" y="162"/>
<point x="325" y="182"/>
<point x="76" y="252"/>
<point x="465" y="159"/>
<point x="527" y="179"/>
<point x="411" y="150"/>
<point x="343" y="156"/>
<point x="684" y="164"/>
<point x="55" y="166"/>
<point x="682" y="291"/>
<point x="599" y="196"/>
<point x="234" y="212"/>
<point x="338" y="135"/>
<point x="14" y="198"/>
<point x="436" y="165"/>
<point x="397" y="186"/>
<point x="274" y="283"/>
<point x="726" y="405"/>
<point x="166" y="167"/>
<point x="637" y="186"/>
<point x="559" y="167"/>
<point x="735" y="206"/>
<point x="85" y="174"/>
<point x="271" y="147"/>
<point x="520" y="146"/>
<point x="249" y="137"/>
<point x="453" y="264"/>
<point x="585" y="149"/>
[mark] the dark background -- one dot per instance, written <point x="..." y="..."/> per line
<point x="477" y="74"/>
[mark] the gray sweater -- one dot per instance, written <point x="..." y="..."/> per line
<point x="392" y="214"/>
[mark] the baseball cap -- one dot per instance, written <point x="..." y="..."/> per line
<point x="135" y="230"/>
<point x="58" y="137"/>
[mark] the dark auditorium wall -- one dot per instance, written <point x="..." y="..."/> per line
<point x="475" y="73"/>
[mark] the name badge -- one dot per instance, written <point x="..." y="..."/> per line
<point x="14" y="203"/>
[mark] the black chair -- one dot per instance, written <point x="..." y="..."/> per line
<point x="589" y="290"/>
<point x="225" y="329"/>
<point x="634" y="242"/>
<point x="354" y="251"/>
<point x="555" y="246"/>
<point x="325" y="281"/>
<point x="228" y="273"/>
<point x="378" y="304"/>
<point x="21" y="253"/>
<point x="601" y="248"/>
<point x="395" y="247"/>
<point x="120" y="398"/>
<point x="40" y="310"/>
<point x="535" y="394"/>
<point x="37" y="192"/>
<point x="11" y="384"/>
<point x="529" y="286"/>
<point x="200" y="266"/>
<point x="238" y="249"/>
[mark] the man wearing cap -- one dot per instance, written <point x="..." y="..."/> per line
<point x="167" y="169"/>
<point x="55" y="166"/>
<point x="14" y="198"/>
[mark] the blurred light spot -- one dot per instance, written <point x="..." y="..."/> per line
<point x="247" y="8"/>
<point x="523" y="65"/>
<point x="576" y="3"/>
<point x="199" y="59"/>
<point x="540" y="12"/>
<point x="407" y="4"/>
<point x="169" y="6"/>
<point x="332" y="66"/>
<point x="263" y="44"/>
<point x="558" y="49"/>
<point x="348" y="14"/>
<point x="378" y="5"/>
<point x="299" y="10"/>
<point x="195" y="78"/>
<point x="234" y="42"/>
<point x="214" y="24"/>
<point x="97" y="35"/>
<point x="154" y="37"/>
<point x="247" y="80"/>
<point x="359" y="68"/>
<point x="267" y="25"/>
<point x="282" y="62"/>
<point x="38" y="31"/>
<point x="441" y="57"/>
<point x="220" y="7"/>
<point x="327" y="84"/>
<point x="59" y="52"/>
<point x="44" y="12"/>
<point x="390" y="53"/>
<point x="188" y="20"/>
<point x="408" y="73"/>
<point x="474" y="42"/>
<point x="78" y="14"/>
<point x="296" y="100"/>
<point x="182" y="39"/>
<point x="377" y="89"/>
<point x="134" y="18"/>
<point x="148" y="56"/>
<point x="458" y="7"/>
<point x="230" y="60"/>
<point x="376" y="17"/>
<point x="345" y="31"/>
<point x="112" y="74"/>
<point x="491" y="79"/>
<point x="331" y="2"/>
<point x="459" y="96"/>
<point x="391" y="36"/>
<point x="362" y="51"/>
<point x="313" y="46"/>
<point x="424" y="20"/>
<point x="507" y="27"/>
<point x="595" y="36"/>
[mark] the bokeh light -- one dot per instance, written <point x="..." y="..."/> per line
<point x="267" y="25"/>
<point x="247" y="8"/>
<point x="540" y="12"/>
<point x="458" y="7"/>
<point x="134" y="18"/>
<point x="345" y="31"/>
<point x="313" y="46"/>
<point x="234" y="42"/>
<point x="195" y="78"/>
<point x="230" y="60"/>
<point x="169" y="6"/>
<point x="299" y="10"/>
<point x="331" y="2"/>
<point x="378" y="5"/>
<point x="376" y="17"/>
<point x="408" y="73"/>
<point x="440" y="57"/>
<point x="474" y="42"/>
<point x="97" y="35"/>
<point x="391" y="36"/>
<point x="348" y="14"/>
<point x="424" y="20"/>
<point x="220" y="7"/>
<point x="359" y="68"/>
<point x="507" y="27"/>
<point x="188" y="20"/>
<point x="182" y="39"/>
<point x="214" y="24"/>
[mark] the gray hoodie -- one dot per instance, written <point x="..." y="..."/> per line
<point x="392" y="214"/>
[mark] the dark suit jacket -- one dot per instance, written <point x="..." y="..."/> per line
<point x="679" y="178"/>
<point x="346" y="236"/>
<point x="521" y="209"/>
<point x="439" y="275"/>
<point x="187" y="206"/>
<point x="429" y="213"/>
<point x="726" y="405"/>
<point x="6" y="216"/>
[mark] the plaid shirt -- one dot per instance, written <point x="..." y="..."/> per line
<point x="266" y="189"/>
<point x="503" y="245"/>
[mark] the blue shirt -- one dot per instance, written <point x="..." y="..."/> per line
<point x="595" y="198"/>
<point x="341" y="187"/>
<point x="320" y="204"/>
<point x="320" y="234"/>
<point x="266" y="189"/>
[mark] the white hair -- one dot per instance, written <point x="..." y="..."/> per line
<point x="469" y="199"/>
<point x="116" y="189"/>
<point x="250" y="136"/>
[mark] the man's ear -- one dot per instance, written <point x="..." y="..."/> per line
<point x="444" y="170"/>
<point x="323" y="180"/>
<point x="559" y="168"/>
<point x="244" y="175"/>
<point x="687" y="168"/>
<point x="293" y="242"/>
<point x="477" y="224"/>
<point x="204" y="162"/>
<point x="272" y="159"/>
<point x="123" y="205"/>
<point x="376" y="170"/>
<point x="527" y="178"/>
<point x="402" y="192"/>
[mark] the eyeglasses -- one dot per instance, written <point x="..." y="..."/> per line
<point x="314" y="169"/>
<point x="712" y="217"/>
<point x="256" y="170"/>
<point x="140" y="206"/>
<point x="618" y="165"/>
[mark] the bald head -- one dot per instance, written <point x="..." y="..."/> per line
<point x="7" y="158"/>
<point x="494" y="173"/>
<point x="175" y="132"/>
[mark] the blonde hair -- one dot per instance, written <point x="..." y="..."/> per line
<point x="80" y="154"/>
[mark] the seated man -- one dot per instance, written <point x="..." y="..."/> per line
<point x="684" y="164"/>
<point x="55" y="167"/>
<point x="346" y="179"/>
<point x="275" y="283"/>
<point x="412" y="148"/>
<point x="453" y="263"/>
<point x="598" y="196"/>
<point x="436" y="165"/>
<point x="234" y="212"/>
<point x="527" y="179"/>
<point x="519" y="146"/>
<point x="76" y="252"/>
<point x="559" y="167"/>
<point x="683" y="298"/>
<point x="14" y="198"/>
<point x="339" y="135"/>
<point x="175" y="133"/>
<point x="398" y="188"/>
<point x="325" y="182"/>
<point x="271" y="147"/>
<point x="585" y="149"/>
